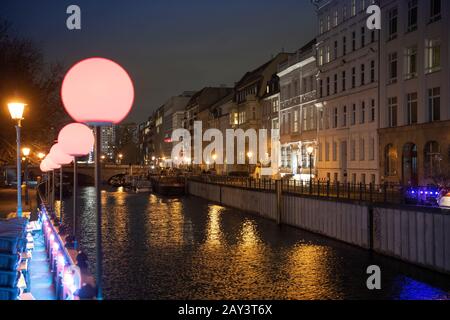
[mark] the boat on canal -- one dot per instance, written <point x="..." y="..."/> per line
<point x="168" y="185"/>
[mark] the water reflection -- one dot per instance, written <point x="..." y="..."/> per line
<point x="157" y="248"/>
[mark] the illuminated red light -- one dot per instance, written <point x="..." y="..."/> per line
<point x="50" y="164"/>
<point x="44" y="167"/>
<point x="97" y="91"/>
<point x="76" y="139"/>
<point x="57" y="155"/>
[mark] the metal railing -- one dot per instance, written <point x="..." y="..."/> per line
<point x="358" y="192"/>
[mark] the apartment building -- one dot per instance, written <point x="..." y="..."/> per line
<point x="347" y="84"/>
<point x="415" y="85"/>
<point x="198" y="110"/>
<point x="298" y="113"/>
<point x="250" y="93"/>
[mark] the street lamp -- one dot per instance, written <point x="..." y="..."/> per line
<point x="99" y="92"/>
<point x="26" y="152"/>
<point x="57" y="155"/>
<point x="76" y="140"/>
<point x="16" y="110"/>
<point x="120" y="158"/>
<point x="310" y="150"/>
<point x="250" y="156"/>
<point x="214" y="157"/>
<point x="41" y="155"/>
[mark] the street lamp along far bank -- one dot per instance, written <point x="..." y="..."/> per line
<point x="98" y="91"/>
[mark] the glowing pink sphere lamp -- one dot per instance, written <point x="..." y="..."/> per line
<point x="76" y="139"/>
<point x="97" y="91"/>
<point x="50" y="164"/>
<point x="57" y="155"/>
<point x="44" y="167"/>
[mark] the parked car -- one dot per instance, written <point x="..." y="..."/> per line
<point x="444" y="201"/>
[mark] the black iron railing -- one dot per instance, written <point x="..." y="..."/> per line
<point x="372" y="193"/>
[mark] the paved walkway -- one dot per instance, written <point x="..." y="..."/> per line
<point x="42" y="287"/>
<point x="8" y="201"/>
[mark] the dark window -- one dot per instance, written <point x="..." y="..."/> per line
<point x="353" y="77"/>
<point x="411" y="108"/>
<point x="353" y="40"/>
<point x="372" y="71"/>
<point x="435" y="10"/>
<point x="393" y="22"/>
<point x="412" y="15"/>
<point x="363" y="74"/>
<point x="434" y="104"/>
<point x="363" y="36"/>
<point x="344" y="46"/>
<point x="344" y="85"/>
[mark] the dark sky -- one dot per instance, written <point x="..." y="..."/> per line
<point x="168" y="46"/>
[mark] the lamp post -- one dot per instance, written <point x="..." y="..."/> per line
<point x="52" y="166"/>
<point x="214" y="157"/>
<point x="16" y="110"/>
<point x="76" y="140"/>
<point x="310" y="151"/>
<point x="250" y="156"/>
<point x="26" y="154"/>
<point x="58" y="156"/>
<point x="98" y="92"/>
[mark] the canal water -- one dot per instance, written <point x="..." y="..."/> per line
<point x="189" y="248"/>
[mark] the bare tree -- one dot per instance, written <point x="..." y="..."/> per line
<point x="25" y="76"/>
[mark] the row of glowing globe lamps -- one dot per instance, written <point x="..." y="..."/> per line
<point x="95" y="91"/>
<point x="74" y="140"/>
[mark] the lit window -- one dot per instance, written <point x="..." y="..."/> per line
<point x="433" y="56"/>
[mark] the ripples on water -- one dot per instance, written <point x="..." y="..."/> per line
<point x="157" y="248"/>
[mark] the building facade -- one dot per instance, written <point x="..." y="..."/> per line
<point x="415" y="84"/>
<point x="250" y="93"/>
<point x="347" y="84"/>
<point x="108" y="147"/>
<point x="298" y="113"/>
<point x="198" y="109"/>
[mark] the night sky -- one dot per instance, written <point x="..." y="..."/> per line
<point x="168" y="46"/>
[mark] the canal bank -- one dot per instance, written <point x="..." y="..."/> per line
<point x="190" y="248"/>
<point x="412" y="234"/>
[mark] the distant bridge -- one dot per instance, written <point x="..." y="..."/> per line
<point x="86" y="171"/>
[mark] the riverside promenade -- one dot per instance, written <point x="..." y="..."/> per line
<point x="40" y="275"/>
<point x="8" y="201"/>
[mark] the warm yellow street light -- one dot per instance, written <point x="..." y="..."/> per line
<point x="26" y="151"/>
<point x="250" y="154"/>
<point x="214" y="157"/>
<point x="310" y="149"/>
<point x="41" y="155"/>
<point x="16" y="110"/>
